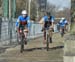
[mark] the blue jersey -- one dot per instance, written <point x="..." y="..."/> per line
<point x="48" y="21"/>
<point x="22" y="19"/>
<point x="51" y="19"/>
<point x="45" y="18"/>
<point x="63" y="22"/>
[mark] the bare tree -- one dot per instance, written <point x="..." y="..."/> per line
<point x="33" y="9"/>
<point x="21" y="5"/>
<point x="0" y="3"/>
<point x="51" y="8"/>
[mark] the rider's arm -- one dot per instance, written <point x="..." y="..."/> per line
<point x="17" y="25"/>
<point x="28" y="22"/>
<point x="66" y="22"/>
<point x="17" y="22"/>
<point x="41" y="21"/>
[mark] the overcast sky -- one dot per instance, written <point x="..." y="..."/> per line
<point x="61" y="3"/>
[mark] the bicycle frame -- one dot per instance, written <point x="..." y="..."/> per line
<point x="48" y="37"/>
<point x="23" y="39"/>
<point x="62" y="31"/>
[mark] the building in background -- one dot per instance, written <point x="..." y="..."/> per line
<point x="42" y="5"/>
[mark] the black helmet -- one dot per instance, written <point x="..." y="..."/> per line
<point x="48" y="13"/>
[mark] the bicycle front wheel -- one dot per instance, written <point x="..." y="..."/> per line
<point x="62" y="33"/>
<point x="22" y="44"/>
<point x="47" y="42"/>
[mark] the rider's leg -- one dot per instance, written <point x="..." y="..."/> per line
<point x="44" y="36"/>
<point x="66" y="30"/>
<point x="19" y="36"/>
<point x="60" y="29"/>
<point x="50" y="35"/>
<point x="43" y="26"/>
<point x="25" y="37"/>
<point x="44" y="32"/>
<point x="25" y="34"/>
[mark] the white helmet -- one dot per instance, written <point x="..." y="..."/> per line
<point x="62" y="18"/>
<point x="24" y="12"/>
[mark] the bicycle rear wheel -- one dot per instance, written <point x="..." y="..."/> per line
<point x="22" y="44"/>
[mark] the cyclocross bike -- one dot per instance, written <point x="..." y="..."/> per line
<point x="48" y="36"/>
<point x="23" y="40"/>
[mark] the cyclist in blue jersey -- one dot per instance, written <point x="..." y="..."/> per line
<point x="63" y="23"/>
<point x="23" y="22"/>
<point x="47" y="22"/>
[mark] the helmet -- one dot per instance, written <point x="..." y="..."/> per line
<point x="24" y="12"/>
<point x="62" y="18"/>
<point x="48" y="13"/>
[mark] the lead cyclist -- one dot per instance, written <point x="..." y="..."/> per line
<point x="23" y="22"/>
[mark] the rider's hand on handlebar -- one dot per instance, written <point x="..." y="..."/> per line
<point x="16" y="29"/>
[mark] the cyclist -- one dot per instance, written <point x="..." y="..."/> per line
<point x="63" y="24"/>
<point x="47" y="22"/>
<point x="23" y="22"/>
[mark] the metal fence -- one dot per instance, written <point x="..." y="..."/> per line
<point x="8" y="34"/>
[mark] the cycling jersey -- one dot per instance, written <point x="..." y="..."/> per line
<point x="48" y="21"/>
<point x="51" y="18"/>
<point x="62" y="23"/>
<point x="45" y="18"/>
<point x="22" y="22"/>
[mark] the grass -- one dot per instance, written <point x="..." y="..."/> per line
<point x="72" y="31"/>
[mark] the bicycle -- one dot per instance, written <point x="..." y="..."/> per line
<point x="48" y="37"/>
<point x="23" y="40"/>
<point x="62" y="31"/>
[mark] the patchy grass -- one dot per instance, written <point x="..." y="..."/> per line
<point x="72" y="29"/>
